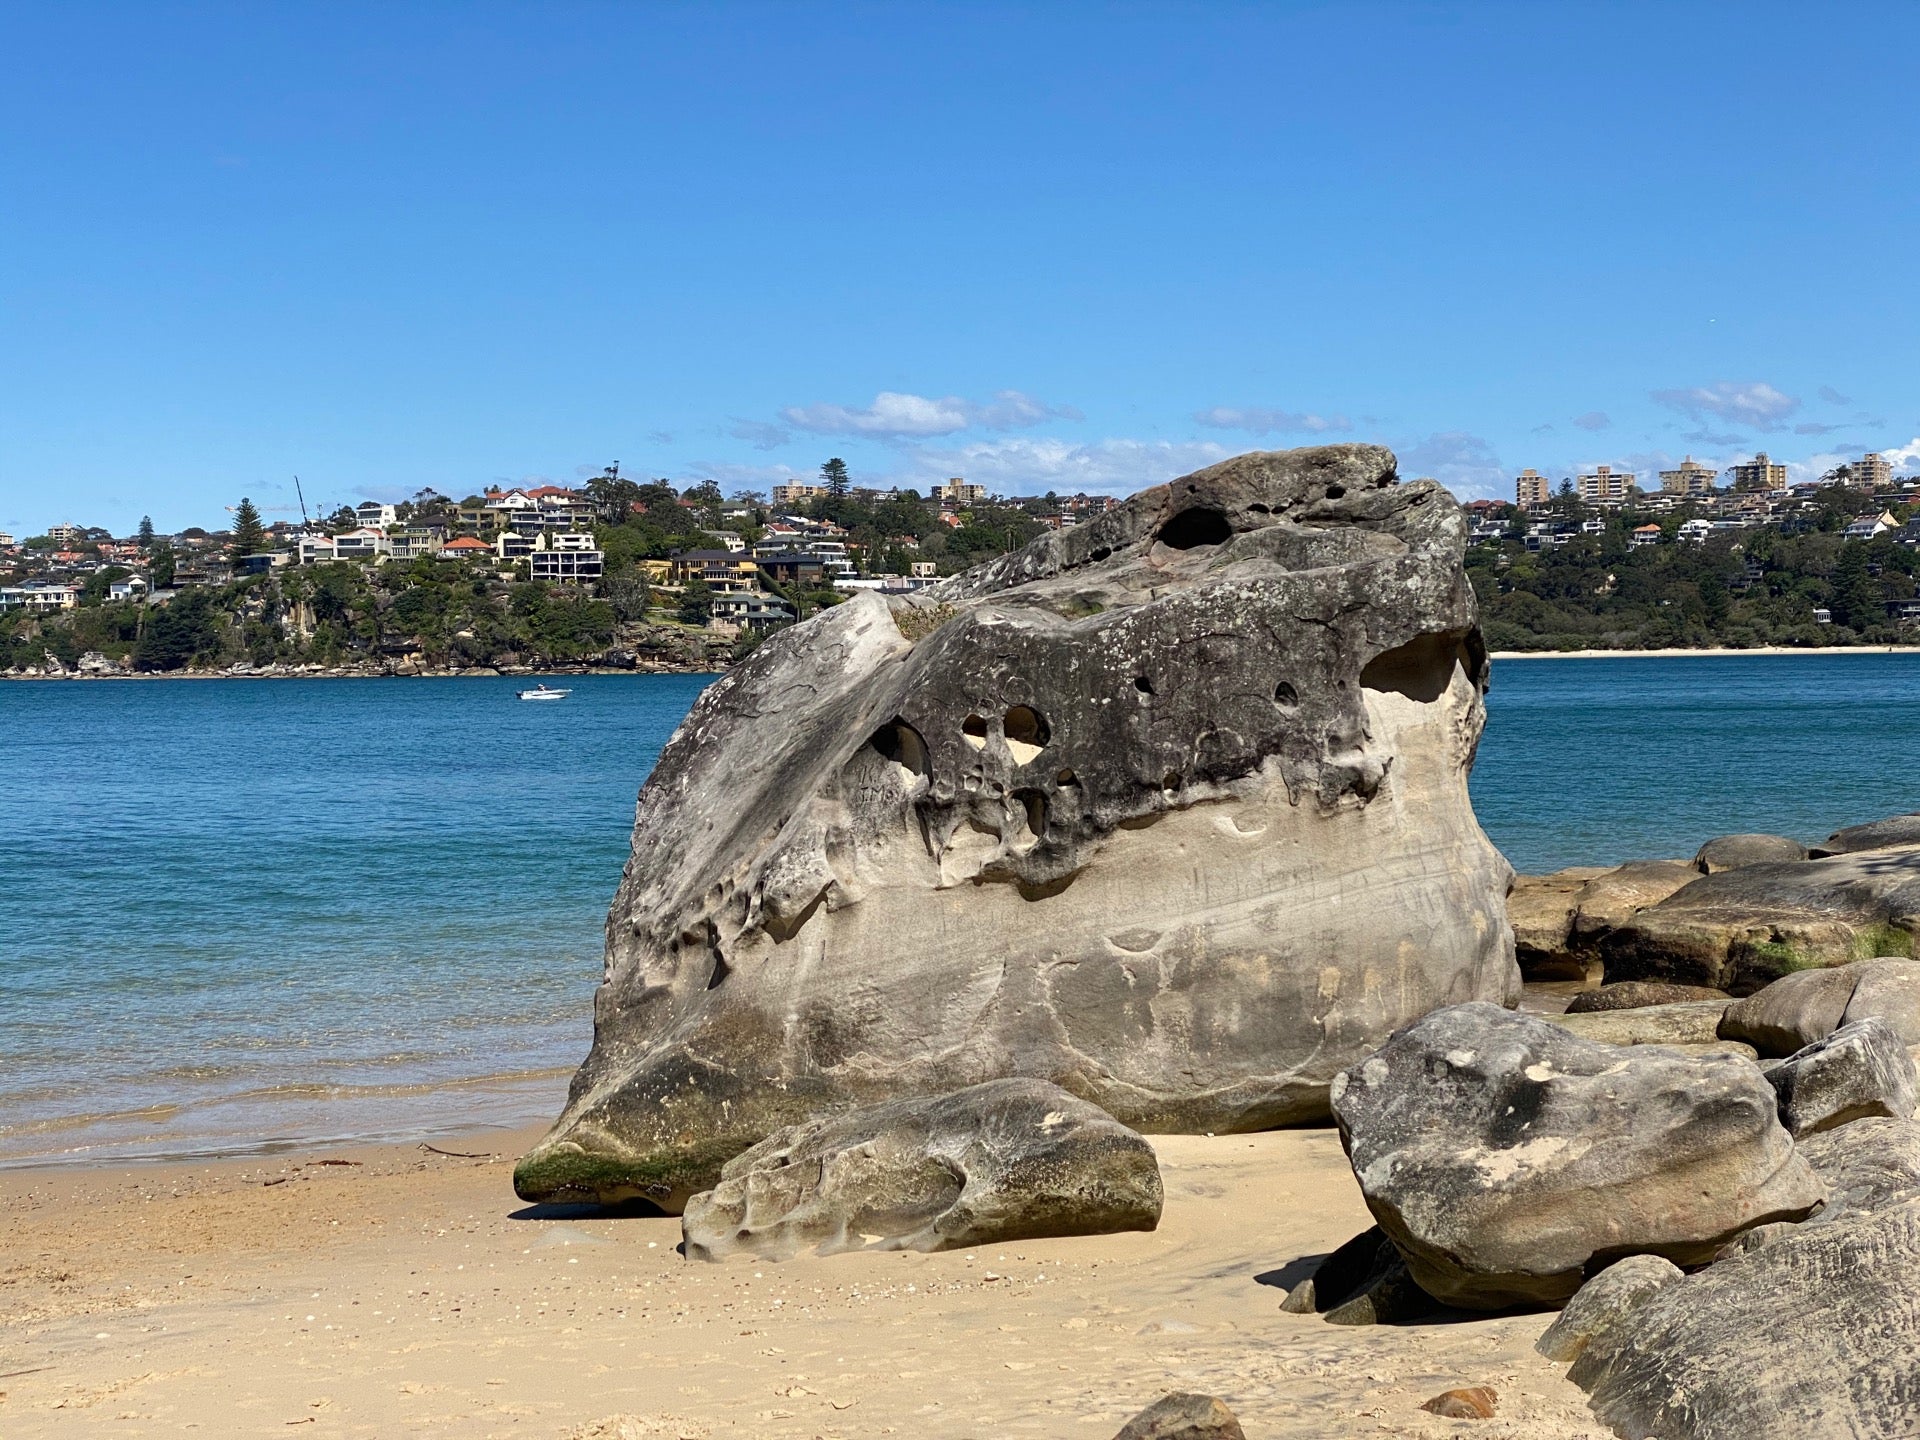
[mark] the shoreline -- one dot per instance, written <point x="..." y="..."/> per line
<point x="1718" y="653"/>
<point x="387" y="1290"/>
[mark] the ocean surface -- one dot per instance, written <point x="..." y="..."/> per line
<point x="237" y="916"/>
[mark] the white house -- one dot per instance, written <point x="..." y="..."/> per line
<point x="567" y="558"/>
<point x="372" y="515"/>
<point x="38" y="597"/>
<point x="1694" y="531"/>
<point x="362" y="544"/>
<point x="131" y="588"/>
<point x="1867" y="527"/>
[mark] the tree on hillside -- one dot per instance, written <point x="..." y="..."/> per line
<point x="146" y="532"/>
<point x="833" y="475"/>
<point x="162" y="566"/>
<point x="249" y="535"/>
<point x="613" y="498"/>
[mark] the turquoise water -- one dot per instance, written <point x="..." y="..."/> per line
<point x="246" y="914"/>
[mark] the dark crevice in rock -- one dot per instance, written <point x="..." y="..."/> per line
<point x="1421" y="669"/>
<point x="901" y="743"/>
<point x="1192" y="528"/>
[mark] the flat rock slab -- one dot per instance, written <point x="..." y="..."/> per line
<point x="1896" y="830"/>
<point x="1730" y="852"/>
<point x="1639" y="994"/>
<point x="1504" y="1156"/>
<point x="1689" y="1022"/>
<point x="1170" y="808"/>
<point x="1738" y="930"/>
<point x="1007" y="1160"/>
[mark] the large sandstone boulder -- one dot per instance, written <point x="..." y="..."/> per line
<point x="1730" y="852"/>
<point x="1007" y="1160"/>
<point x="1796" y="1010"/>
<point x="1540" y="910"/>
<point x="1740" y="929"/>
<point x="1503" y="1155"/>
<point x="1811" y="1333"/>
<point x="1169" y="808"/>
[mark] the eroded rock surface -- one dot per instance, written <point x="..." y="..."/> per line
<point x="1858" y="1071"/>
<point x="1183" y="1416"/>
<point x="1604" y="1301"/>
<point x="1895" y="830"/>
<point x="1007" y="1160"/>
<point x="1810" y="1334"/>
<point x="1737" y="930"/>
<point x="1504" y="1155"/>
<point x="1639" y="994"/>
<point x="1169" y="808"/>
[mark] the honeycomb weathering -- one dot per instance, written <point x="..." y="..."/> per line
<point x="1169" y="808"/>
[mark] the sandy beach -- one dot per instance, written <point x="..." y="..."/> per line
<point x="397" y="1291"/>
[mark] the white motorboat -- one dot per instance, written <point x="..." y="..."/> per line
<point x="541" y="692"/>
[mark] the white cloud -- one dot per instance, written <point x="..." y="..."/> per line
<point x="1907" y="454"/>
<point x="1814" y="466"/>
<point x="897" y="416"/>
<point x="1035" y="466"/>
<point x="1465" y="464"/>
<point x="1259" y="420"/>
<point x="1593" y="420"/>
<point x="1752" y="403"/>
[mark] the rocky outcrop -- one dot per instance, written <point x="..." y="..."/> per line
<point x="1730" y="852"/>
<point x="1860" y="1070"/>
<point x="1739" y="929"/>
<point x="1810" y="1334"/>
<point x="1559" y="919"/>
<point x="1007" y="1160"/>
<point x="1169" y="808"/>
<point x="1504" y="1156"/>
<point x="1796" y="1010"/>
<point x="1603" y="1302"/>
<point x="1687" y="1022"/>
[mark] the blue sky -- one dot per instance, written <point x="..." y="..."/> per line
<point x="1060" y="247"/>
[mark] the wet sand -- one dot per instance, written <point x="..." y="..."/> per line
<point x="394" y="1291"/>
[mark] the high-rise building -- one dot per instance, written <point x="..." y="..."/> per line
<point x="1872" y="472"/>
<point x="1531" y="488"/>
<point x="1690" y="478"/>
<point x="1606" y="486"/>
<point x="1759" y="473"/>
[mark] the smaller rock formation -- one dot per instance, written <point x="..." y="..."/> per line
<point x="1468" y="1402"/>
<point x="1182" y="1416"/>
<point x="1503" y="1155"/>
<point x="1860" y="1070"/>
<point x="1738" y="930"/>
<point x="1730" y="852"/>
<point x="1885" y="834"/>
<point x="1604" y="1301"/>
<point x="1639" y="994"/>
<point x="1798" y="1009"/>
<point x="1005" y="1160"/>
<point x="1540" y="910"/>
<point x="1867" y="1165"/>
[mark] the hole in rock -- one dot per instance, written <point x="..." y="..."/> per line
<point x="1066" y="777"/>
<point x="721" y="970"/>
<point x="1035" y="804"/>
<point x="1098" y="553"/>
<point x="1259" y="509"/>
<point x="1171" y="782"/>
<point x="1285" y="694"/>
<point x="1026" y="732"/>
<point x="1334" y="492"/>
<point x="901" y="743"/>
<point x="1421" y="669"/>
<point x="1193" y="528"/>
<point x="1143" y="684"/>
<point x="974" y="731"/>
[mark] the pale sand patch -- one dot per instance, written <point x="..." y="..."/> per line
<point x="400" y="1296"/>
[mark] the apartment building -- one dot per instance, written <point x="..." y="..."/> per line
<point x="1759" y="473"/>
<point x="797" y="493"/>
<point x="1531" y="488"/>
<point x="1690" y="477"/>
<point x="1606" y="486"/>
<point x="1872" y="472"/>
<point x="568" y="559"/>
<point x="958" y="492"/>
